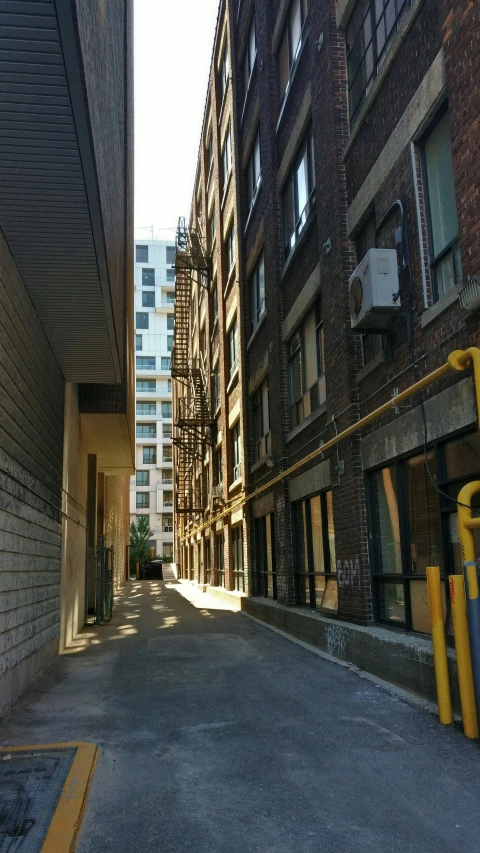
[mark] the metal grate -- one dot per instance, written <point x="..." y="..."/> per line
<point x="469" y="296"/>
<point x="30" y="786"/>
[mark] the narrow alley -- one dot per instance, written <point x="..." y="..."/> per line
<point x="216" y="734"/>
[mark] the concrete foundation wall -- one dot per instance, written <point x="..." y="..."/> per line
<point x="31" y="442"/>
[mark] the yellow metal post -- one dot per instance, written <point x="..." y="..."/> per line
<point x="464" y="662"/>
<point x="439" y="645"/>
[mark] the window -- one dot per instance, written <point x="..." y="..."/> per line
<point x="138" y="342"/>
<point x="254" y="174"/>
<point x="414" y="527"/>
<point x="219" y="560"/>
<point x="167" y="523"/>
<point x="224" y="72"/>
<point x="442" y="211"/>
<point x="208" y="562"/>
<point x="146" y="431"/>
<point x="261" y="422"/>
<point x="307" y="368"/>
<point x="149" y="455"/>
<point x="257" y="289"/>
<point x="212" y="228"/>
<point x="169" y="343"/>
<point x="290" y="45"/>
<point x="168" y="550"/>
<point x="237" y="558"/>
<point x="209" y="154"/>
<point x="143" y="478"/>
<point x="233" y="347"/>
<point x="145" y="362"/>
<point x="215" y="303"/>
<point x="314" y="552"/>
<point x="167" y="430"/>
<point x="141" y="320"/>
<point x="143" y="500"/>
<point x="170" y="254"/>
<point x="236" y="453"/>
<point x="166" y="410"/>
<point x="230" y="244"/>
<point x="168" y="498"/>
<point x="217" y="467"/>
<point x="170" y="322"/>
<point x="141" y="254"/>
<point x="226" y="158"/>
<point x="166" y="363"/>
<point x="170" y="275"/>
<point x="369" y="35"/>
<point x="298" y="194"/>
<point x="167" y="454"/>
<point x="265" y="578"/>
<point x="149" y="408"/>
<point x="148" y="277"/>
<point x="249" y="58"/>
<point x="169" y="386"/>
<point x="166" y="477"/>
<point x="148" y="300"/>
<point x="148" y="385"/>
<point x="216" y="388"/>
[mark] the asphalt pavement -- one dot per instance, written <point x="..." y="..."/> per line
<point x="218" y="735"/>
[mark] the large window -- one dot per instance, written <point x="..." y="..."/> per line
<point x="237" y="558"/>
<point x="167" y="430"/>
<point x="143" y="500"/>
<point x="148" y="385"/>
<point x="148" y="299"/>
<point x="170" y="322"/>
<point x="147" y="408"/>
<point x="314" y="552"/>
<point x="413" y="526"/>
<point x="442" y="210"/>
<point x="141" y="320"/>
<point x="138" y="343"/>
<point x="249" y="58"/>
<point x="142" y="478"/>
<point x="146" y="431"/>
<point x="148" y="277"/>
<point x="145" y="362"/>
<point x="254" y="173"/>
<point x="168" y="498"/>
<point x="307" y="368"/>
<point x="141" y="254"/>
<point x="167" y="453"/>
<point x="369" y="35"/>
<point x="298" y="194"/>
<point x="265" y="567"/>
<point x="170" y="254"/>
<point x="230" y="246"/>
<point x="233" y="347"/>
<point x="166" y="409"/>
<point x="219" y="560"/>
<point x="290" y="45"/>
<point x="261" y="421"/>
<point x="167" y="523"/>
<point x="226" y="157"/>
<point x="170" y="276"/>
<point x="257" y="290"/>
<point x="236" y="453"/>
<point x="149" y="455"/>
<point x="166" y="477"/>
<point x="166" y="363"/>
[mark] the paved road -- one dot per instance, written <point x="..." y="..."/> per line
<point x="220" y="736"/>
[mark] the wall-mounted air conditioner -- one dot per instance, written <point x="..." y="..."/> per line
<point x="374" y="290"/>
<point x="469" y="295"/>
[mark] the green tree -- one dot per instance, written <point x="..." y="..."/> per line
<point x="140" y="533"/>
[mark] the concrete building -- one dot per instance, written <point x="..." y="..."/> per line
<point x="333" y="128"/>
<point x="151" y="489"/>
<point x="66" y="324"/>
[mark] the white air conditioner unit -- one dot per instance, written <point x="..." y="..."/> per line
<point x="374" y="290"/>
<point x="469" y="295"/>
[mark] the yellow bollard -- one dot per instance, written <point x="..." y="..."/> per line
<point x="439" y="645"/>
<point x="464" y="661"/>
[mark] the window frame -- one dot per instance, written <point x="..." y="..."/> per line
<point x="297" y="404"/>
<point x="149" y="451"/>
<point x="224" y="74"/>
<point x="152" y="383"/>
<point x="264" y="578"/>
<point x="148" y="365"/>
<point x="300" y="218"/>
<point x="141" y="260"/>
<point x="248" y="63"/>
<point x="148" y="299"/>
<point x="236" y="553"/>
<point x="293" y="55"/>
<point x="142" y="500"/>
<point x="143" y="475"/>
<point x="258" y="303"/>
<point x="261" y="421"/>
<point x="254" y="181"/>
<point x="299" y="547"/>
<point x="150" y="404"/>
<point x="143" y="316"/>
<point x="148" y="270"/>
<point x="226" y="157"/>
<point x="233" y="347"/>
<point x="138" y="343"/>
<point x="236" y="452"/>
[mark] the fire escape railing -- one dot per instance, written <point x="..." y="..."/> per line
<point x="192" y="416"/>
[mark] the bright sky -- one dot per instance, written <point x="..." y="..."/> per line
<point x="173" y="47"/>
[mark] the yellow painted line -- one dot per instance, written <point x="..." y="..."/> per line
<point x="68" y="814"/>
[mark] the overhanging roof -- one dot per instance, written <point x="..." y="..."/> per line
<point x="50" y="210"/>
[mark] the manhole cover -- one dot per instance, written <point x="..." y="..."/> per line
<point x="31" y="782"/>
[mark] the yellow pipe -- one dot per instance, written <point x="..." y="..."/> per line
<point x="457" y="360"/>
<point x="439" y="645"/>
<point x="465" y="526"/>
<point x="464" y="661"/>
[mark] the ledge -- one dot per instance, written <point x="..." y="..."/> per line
<point x="253" y="204"/>
<point x="304" y="424"/>
<point x="306" y="228"/>
<point x="257" y="329"/>
<point x="230" y="278"/>
<point x="232" y="379"/>
<point x="372" y="365"/>
<point x="259" y="463"/>
<point x="235" y="485"/>
<point x="225" y="189"/>
<point x="438" y="308"/>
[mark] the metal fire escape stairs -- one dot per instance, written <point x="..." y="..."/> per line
<point x="192" y="425"/>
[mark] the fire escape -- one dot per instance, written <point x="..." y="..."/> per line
<point x="192" y="416"/>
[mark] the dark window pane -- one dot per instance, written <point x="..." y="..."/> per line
<point x="141" y="254"/>
<point x="170" y="254"/>
<point x="463" y="456"/>
<point x="386" y="522"/>
<point x="391" y="603"/>
<point x="148" y="300"/>
<point x="148" y="277"/>
<point x="141" y="320"/>
<point x="425" y="528"/>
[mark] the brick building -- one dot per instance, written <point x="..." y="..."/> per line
<point x="350" y="126"/>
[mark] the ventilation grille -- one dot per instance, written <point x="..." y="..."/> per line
<point x="469" y="296"/>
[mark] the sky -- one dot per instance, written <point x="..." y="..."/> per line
<point x="173" y="48"/>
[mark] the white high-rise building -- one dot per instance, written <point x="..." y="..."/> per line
<point x="151" y="490"/>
